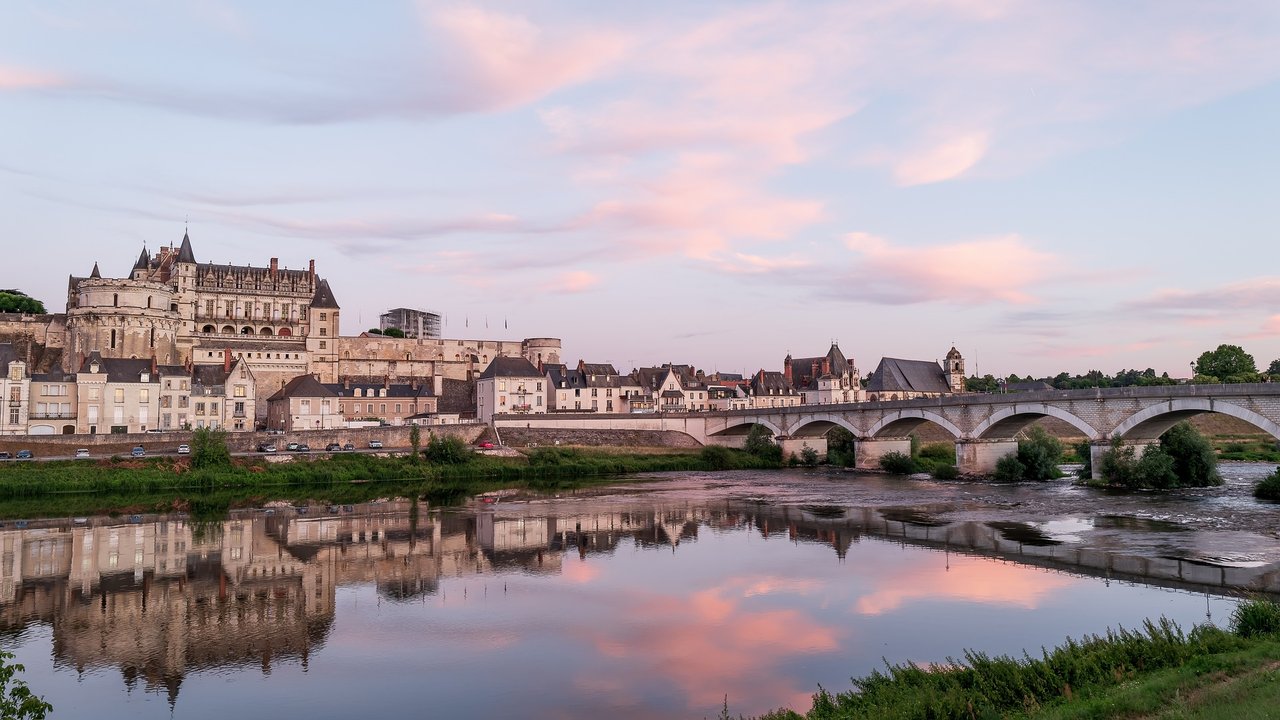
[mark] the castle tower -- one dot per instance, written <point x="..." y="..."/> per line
<point x="123" y="319"/>
<point x="955" y="370"/>
<point x="322" y="331"/>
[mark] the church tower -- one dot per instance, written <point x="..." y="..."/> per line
<point x="955" y="370"/>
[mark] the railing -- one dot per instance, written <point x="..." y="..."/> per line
<point x="52" y="416"/>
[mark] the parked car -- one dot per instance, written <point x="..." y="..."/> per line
<point x="82" y="453"/>
<point x="348" y="448"/>
<point x="138" y="451"/>
<point x="303" y="447"/>
<point x="5" y="456"/>
<point x="486" y="445"/>
<point x="267" y="447"/>
<point x="332" y="447"/>
<point x="375" y="444"/>
<point x="292" y="447"/>
<point x="25" y="455"/>
<point x="184" y="449"/>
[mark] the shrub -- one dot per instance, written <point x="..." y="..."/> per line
<point x="448" y="451"/>
<point x="1010" y="469"/>
<point x="1039" y="452"/>
<point x="209" y="449"/>
<point x="946" y="472"/>
<point x="898" y="463"/>
<point x="808" y="456"/>
<point x="840" y="447"/>
<point x="793" y="461"/>
<point x="415" y="442"/>
<point x="760" y="443"/>
<point x="716" y="457"/>
<point x="1084" y="450"/>
<point x="1254" y="618"/>
<point x="939" y="451"/>
<point x="1269" y="487"/>
<point x="1154" y="470"/>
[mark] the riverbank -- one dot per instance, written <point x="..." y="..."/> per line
<point x="120" y="485"/>
<point x="1158" y="672"/>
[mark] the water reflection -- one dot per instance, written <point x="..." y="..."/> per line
<point x="648" y="607"/>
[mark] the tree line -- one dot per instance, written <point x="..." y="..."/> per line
<point x="1224" y="364"/>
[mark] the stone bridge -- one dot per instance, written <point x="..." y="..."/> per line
<point x="985" y="426"/>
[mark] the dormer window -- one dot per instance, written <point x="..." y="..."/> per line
<point x="146" y="377"/>
<point x="93" y="368"/>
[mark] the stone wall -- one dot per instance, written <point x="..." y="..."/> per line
<point x="541" y="437"/>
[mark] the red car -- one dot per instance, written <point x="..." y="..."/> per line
<point x="486" y="445"/>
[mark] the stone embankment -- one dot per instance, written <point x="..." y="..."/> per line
<point x="543" y="437"/>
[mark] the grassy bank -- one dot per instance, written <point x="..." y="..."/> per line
<point x="1158" y="672"/>
<point x="80" y="487"/>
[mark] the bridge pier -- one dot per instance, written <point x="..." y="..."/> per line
<point x="796" y="444"/>
<point x="867" y="453"/>
<point x="979" y="457"/>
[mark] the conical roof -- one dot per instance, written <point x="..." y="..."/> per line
<point x="185" y="255"/>
<point x="144" y="260"/>
<point x="95" y="273"/>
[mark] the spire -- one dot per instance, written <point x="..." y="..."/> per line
<point x="143" y="260"/>
<point x="95" y="275"/>
<point x="184" y="252"/>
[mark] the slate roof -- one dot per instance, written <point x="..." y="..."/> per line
<point x="323" y="297"/>
<point x="209" y="375"/>
<point x="302" y="386"/>
<point x="771" y="383"/>
<point x="805" y="372"/>
<point x="218" y="343"/>
<point x="185" y="255"/>
<point x="144" y="260"/>
<point x="96" y="274"/>
<point x="596" y="368"/>
<point x="119" y="370"/>
<point x="457" y="396"/>
<point x="898" y="375"/>
<point x="373" y="389"/>
<point x="8" y="354"/>
<point x="1033" y="386"/>
<point x="503" y="366"/>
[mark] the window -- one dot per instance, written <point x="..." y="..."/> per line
<point x="13" y="416"/>
<point x="382" y="409"/>
<point x="93" y="393"/>
<point x="239" y="391"/>
<point x="369" y="408"/>
<point x="324" y="316"/>
<point x="538" y="401"/>
<point x="322" y="346"/>
<point x="199" y="408"/>
<point x="539" y="387"/>
<point x="397" y="408"/>
<point x="213" y="408"/>
<point x="113" y="338"/>
<point x="208" y="308"/>
<point x="306" y="406"/>
<point x="144" y="395"/>
<point x="324" y="331"/>
<point x="502" y="384"/>
<point x="119" y="395"/>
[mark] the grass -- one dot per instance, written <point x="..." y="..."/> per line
<point x="1247" y="448"/>
<point x="1157" y="672"/>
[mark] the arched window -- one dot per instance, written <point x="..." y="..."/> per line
<point x="207" y="330"/>
<point x="228" y="330"/>
<point x="115" y="300"/>
<point x="148" y="302"/>
<point x="284" y="332"/>
<point x="246" y="330"/>
<point x="265" y="331"/>
<point x="113" y="339"/>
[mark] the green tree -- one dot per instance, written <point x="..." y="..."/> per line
<point x="374" y="331"/>
<point x="16" y="699"/>
<point x="16" y="301"/>
<point x="1274" y="368"/>
<point x="808" y="456"/>
<point x="393" y="332"/>
<point x="448" y="451"/>
<point x="1195" y="463"/>
<point x="760" y="443"/>
<point x="1228" y="363"/>
<point x="209" y="449"/>
<point x="840" y="447"/>
<point x="415" y="442"/>
<point x="1040" y="454"/>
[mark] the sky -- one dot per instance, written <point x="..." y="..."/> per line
<point x="1046" y="186"/>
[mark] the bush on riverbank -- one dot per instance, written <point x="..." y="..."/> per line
<point x="1037" y="458"/>
<point x="979" y="685"/>
<point x="1269" y="487"/>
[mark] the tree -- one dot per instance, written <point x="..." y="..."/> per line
<point x="1228" y="363"/>
<point x="1039" y="453"/>
<point x="209" y="448"/>
<point x="808" y="456"/>
<point x="16" y="699"/>
<point x="415" y="441"/>
<point x="840" y="447"/>
<point x="760" y="443"/>
<point x="1194" y="461"/>
<point x="1274" y="369"/>
<point x="16" y="301"/>
<point x="374" y="331"/>
<point x="393" y="332"/>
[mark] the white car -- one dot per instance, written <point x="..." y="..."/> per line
<point x="184" y="449"/>
<point x="82" y="453"/>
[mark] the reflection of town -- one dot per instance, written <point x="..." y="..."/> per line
<point x="158" y="598"/>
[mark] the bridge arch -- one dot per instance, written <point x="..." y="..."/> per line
<point x="1152" y="421"/>
<point x="817" y="425"/>
<point x="902" y="422"/>
<point x="744" y="427"/>
<point x="1007" y="422"/>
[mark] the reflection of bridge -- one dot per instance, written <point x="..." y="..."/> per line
<point x="985" y="426"/>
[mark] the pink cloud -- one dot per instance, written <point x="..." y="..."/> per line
<point x="1003" y="269"/>
<point x="16" y="78"/>
<point x="572" y="282"/>
<point x="504" y="60"/>
<point x="944" y="160"/>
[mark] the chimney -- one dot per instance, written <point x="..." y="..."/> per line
<point x="153" y="363"/>
<point x="226" y="361"/>
<point x="346" y="383"/>
<point x="786" y="366"/>
<point x="437" y="384"/>
<point x="275" y="266"/>
<point x="413" y="385"/>
<point x="826" y="366"/>
<point x="312" y="270"/>
<point x="386" y="382"/>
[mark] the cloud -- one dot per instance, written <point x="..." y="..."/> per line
<point x="1004" y="269"/>
<point x="17" y="78"/>
<point x="575" y="281"/>
<point x="945" y="160"/>
<point x="1253" y="294"/>
<point x="967" y="578"/>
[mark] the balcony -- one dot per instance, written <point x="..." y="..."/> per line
<point x="58" y="415"/>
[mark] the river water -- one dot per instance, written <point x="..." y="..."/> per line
<point x="652" y="599"/>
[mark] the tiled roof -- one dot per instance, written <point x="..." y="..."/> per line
<point x="120" y="370"/>
<point x="185" y="255"/>
<point x="7" y="355"/>
<point x="324" y="297"/>
<point x="457" y="396"/>
<point x="302" y="386"/>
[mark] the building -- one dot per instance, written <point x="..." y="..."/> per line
<point x="773" y="390"/>
<point x="387" y="403"/>
<point x="15" y="388"/>
<point x="510" y="385"/>
<point x="826" y="379"/>
<point x="304" y="403"/>
<point x="53" y="404"/>
<point x="898" y="379"/>
<point x="117" y="395"/>
<point x="220" y="397"/>
<point x="413" y="323"/>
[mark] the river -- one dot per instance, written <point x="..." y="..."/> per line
<point x="657" y="598"/>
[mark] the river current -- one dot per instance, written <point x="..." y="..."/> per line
<point x="656" y="598"/>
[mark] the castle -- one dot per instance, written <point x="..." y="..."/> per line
<point x="177" y="311"/>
